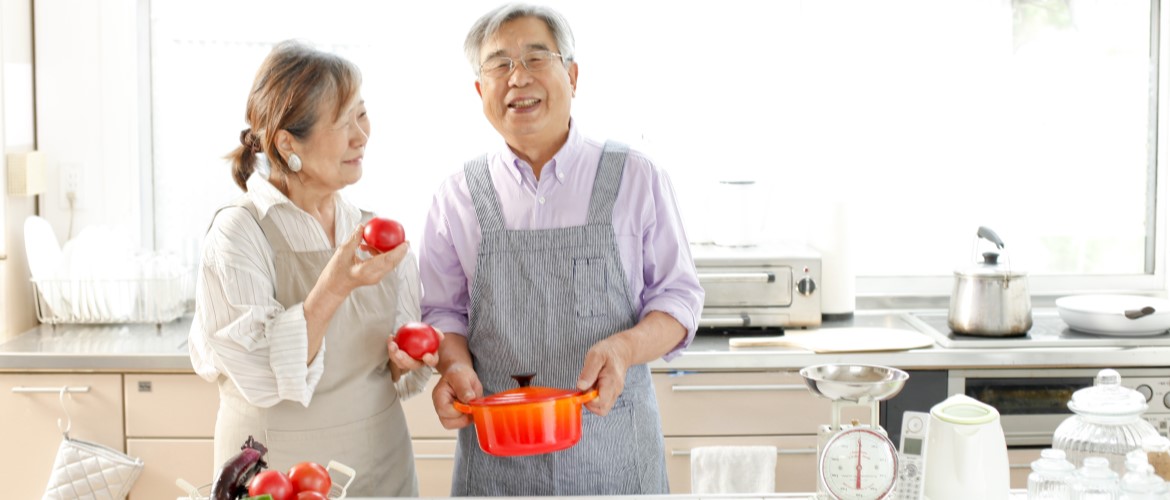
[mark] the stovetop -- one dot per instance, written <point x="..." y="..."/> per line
<point x="1047" y="331"/>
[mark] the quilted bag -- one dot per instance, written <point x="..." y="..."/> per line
<point x="90" y="471"/>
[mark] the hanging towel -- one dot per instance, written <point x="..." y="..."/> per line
<point x="733" y="469"/>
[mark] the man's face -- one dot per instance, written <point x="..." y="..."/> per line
<point x="527" y="107"/>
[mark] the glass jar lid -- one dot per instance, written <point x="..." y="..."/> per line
<point x="1108" y="397"/>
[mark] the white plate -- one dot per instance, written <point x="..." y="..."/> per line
<point x="44" y="252"/>
<point x="1105" y="314"/>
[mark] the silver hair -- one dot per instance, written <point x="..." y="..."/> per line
<point x="488" y="25"/>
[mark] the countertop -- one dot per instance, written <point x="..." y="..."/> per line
<point x="163" y="348"/>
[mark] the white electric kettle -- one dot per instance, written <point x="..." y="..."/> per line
<point x="966" y="455"/>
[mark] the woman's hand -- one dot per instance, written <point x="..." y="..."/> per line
<point x="347" y="271"/>
<point x="406" y="363"/>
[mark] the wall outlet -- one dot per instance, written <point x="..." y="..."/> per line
<point x="71" y="177"/>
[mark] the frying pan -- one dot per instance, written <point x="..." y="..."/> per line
<point x="841" y="340"/>
<point x="1119" y="315"/>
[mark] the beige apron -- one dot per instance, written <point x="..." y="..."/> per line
<point x="354" y="417"/>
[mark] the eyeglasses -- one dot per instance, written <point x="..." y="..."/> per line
<point x="501" y="66"/>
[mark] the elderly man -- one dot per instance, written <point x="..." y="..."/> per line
<point x="558" y="255"/>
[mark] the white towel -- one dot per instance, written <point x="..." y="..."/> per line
<point x="733" y="469"/>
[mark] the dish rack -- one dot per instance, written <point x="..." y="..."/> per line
<point x="157" y="300"/>
<point x="336" y="491"/>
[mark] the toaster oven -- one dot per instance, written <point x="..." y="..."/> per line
<point x="759" y="286"/>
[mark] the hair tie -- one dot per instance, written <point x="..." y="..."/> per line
<point x="249" y="140"/>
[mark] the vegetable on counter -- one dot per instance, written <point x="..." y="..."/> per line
<point x="232" y="480"/>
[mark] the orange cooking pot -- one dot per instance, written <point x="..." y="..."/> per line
<point x="527" y="420"/>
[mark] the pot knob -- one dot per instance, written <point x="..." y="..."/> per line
<point x="524" y="379"/>
<point x="990" y="258"/>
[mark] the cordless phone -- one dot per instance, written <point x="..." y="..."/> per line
<point x="912" y="456"/>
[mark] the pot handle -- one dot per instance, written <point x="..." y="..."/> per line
<point x="585" y="397"/>
<point x="462" y="407"/>
<point x="989" y="235"/>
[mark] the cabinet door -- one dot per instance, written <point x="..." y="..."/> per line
<point x="743" y="403"/>
<point x="30" y="406"/>
<point x="434" y="461"/>
<point x="1020" y="464"/>
<point x="170" y="406"/>
<point x="796" y="459"/>
<point x="420" y="415"/>
<point x="167" y="460"/>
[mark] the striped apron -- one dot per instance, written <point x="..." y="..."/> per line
<point x="354" y="417"/>
<point x="540" y="299"/>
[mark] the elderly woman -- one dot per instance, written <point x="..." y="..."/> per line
<point x="560" y="255"/>
<point x="290" y="320"/>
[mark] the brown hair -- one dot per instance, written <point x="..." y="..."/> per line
<point x="289" y="88"/>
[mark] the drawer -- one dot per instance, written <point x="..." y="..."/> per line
<point x="796" y="460"/>
<point x="420" y="415"/>
<point x="743" y="403"/>
<point x="167" y="460"/>
<point x="434" y="461"/>
<point x="170" y="406"/>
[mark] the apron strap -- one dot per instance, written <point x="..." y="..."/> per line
<point x="607" y="182"/>
<point x="483" y="195"/>
<point x="275" y="238"/>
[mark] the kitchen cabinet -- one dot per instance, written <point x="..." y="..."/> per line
<point x="30" y="404"/>
<point x="170" y="425"/>
<point x="744" y="408"/>
<point x="434" y="446"/>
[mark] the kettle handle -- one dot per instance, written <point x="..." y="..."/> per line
<point x="989" y="235"/>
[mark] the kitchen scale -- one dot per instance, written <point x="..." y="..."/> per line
<point x="855" y="461"/>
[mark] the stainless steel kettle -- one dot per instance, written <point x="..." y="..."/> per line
<point x="990" y="298"/>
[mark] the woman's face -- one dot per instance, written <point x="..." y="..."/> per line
<point x="331" y="157"/>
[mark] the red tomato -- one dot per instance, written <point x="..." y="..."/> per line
<point x="310" y="476"/>
<point x="311" y="495"/>
<point x="383" y="234"/>
<point x="417" y="339"/>
<point x="272" y="482"/>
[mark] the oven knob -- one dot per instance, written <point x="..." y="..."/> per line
<point x="806" y="286"/>
<point x="1146" y="391"/>
<point x="1166" y="400"/>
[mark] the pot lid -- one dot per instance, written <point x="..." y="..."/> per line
<point x="523" y="394"/>
<point x="1108" y="397"/>
<point x="990" y="267"/>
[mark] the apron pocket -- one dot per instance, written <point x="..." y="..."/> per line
<point x="604" y="461"/>
<point x="589" y="286"/>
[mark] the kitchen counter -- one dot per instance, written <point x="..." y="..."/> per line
<point x="163" y="348"/>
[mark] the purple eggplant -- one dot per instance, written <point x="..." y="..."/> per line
<point x="232" y="481"/>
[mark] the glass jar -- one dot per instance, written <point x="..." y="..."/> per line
<point x="1051" y="477"/>
<point x="1139" y="481"/>
<point x="1096" y="481"/>
<point x="1107" y="422"/>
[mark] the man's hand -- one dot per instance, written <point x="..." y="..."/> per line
<point x="461" y="383"/>
<point x="605" y="367"/>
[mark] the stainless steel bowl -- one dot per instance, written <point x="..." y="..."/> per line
<point x="855" y="383"/>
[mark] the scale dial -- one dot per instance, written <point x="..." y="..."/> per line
<point x="859" y="464"/>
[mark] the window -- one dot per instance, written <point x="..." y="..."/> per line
<point x="928" y="119"/>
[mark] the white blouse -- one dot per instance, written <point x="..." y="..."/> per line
<point x="241" y="331"/>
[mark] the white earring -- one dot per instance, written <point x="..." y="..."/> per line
<point x="294" y="162"/>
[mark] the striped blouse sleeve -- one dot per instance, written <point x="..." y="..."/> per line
<point x="239" y="329"/>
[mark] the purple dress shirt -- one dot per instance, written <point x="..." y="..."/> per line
<point x="650" y="237"/>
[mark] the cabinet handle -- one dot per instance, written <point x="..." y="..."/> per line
<point x="779" y="451"/>
<point x="435" y="456"/>
<point x="729" y="388"/>
<point x="48" y="390"/>
<point x="737" y="277"/>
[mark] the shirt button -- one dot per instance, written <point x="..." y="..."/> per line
<point x="560" y="175"/>
<point x="541" y="200"/>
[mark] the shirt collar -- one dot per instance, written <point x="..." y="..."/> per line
<point x="560" y="163"/>
<point x="264" y="194"/>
